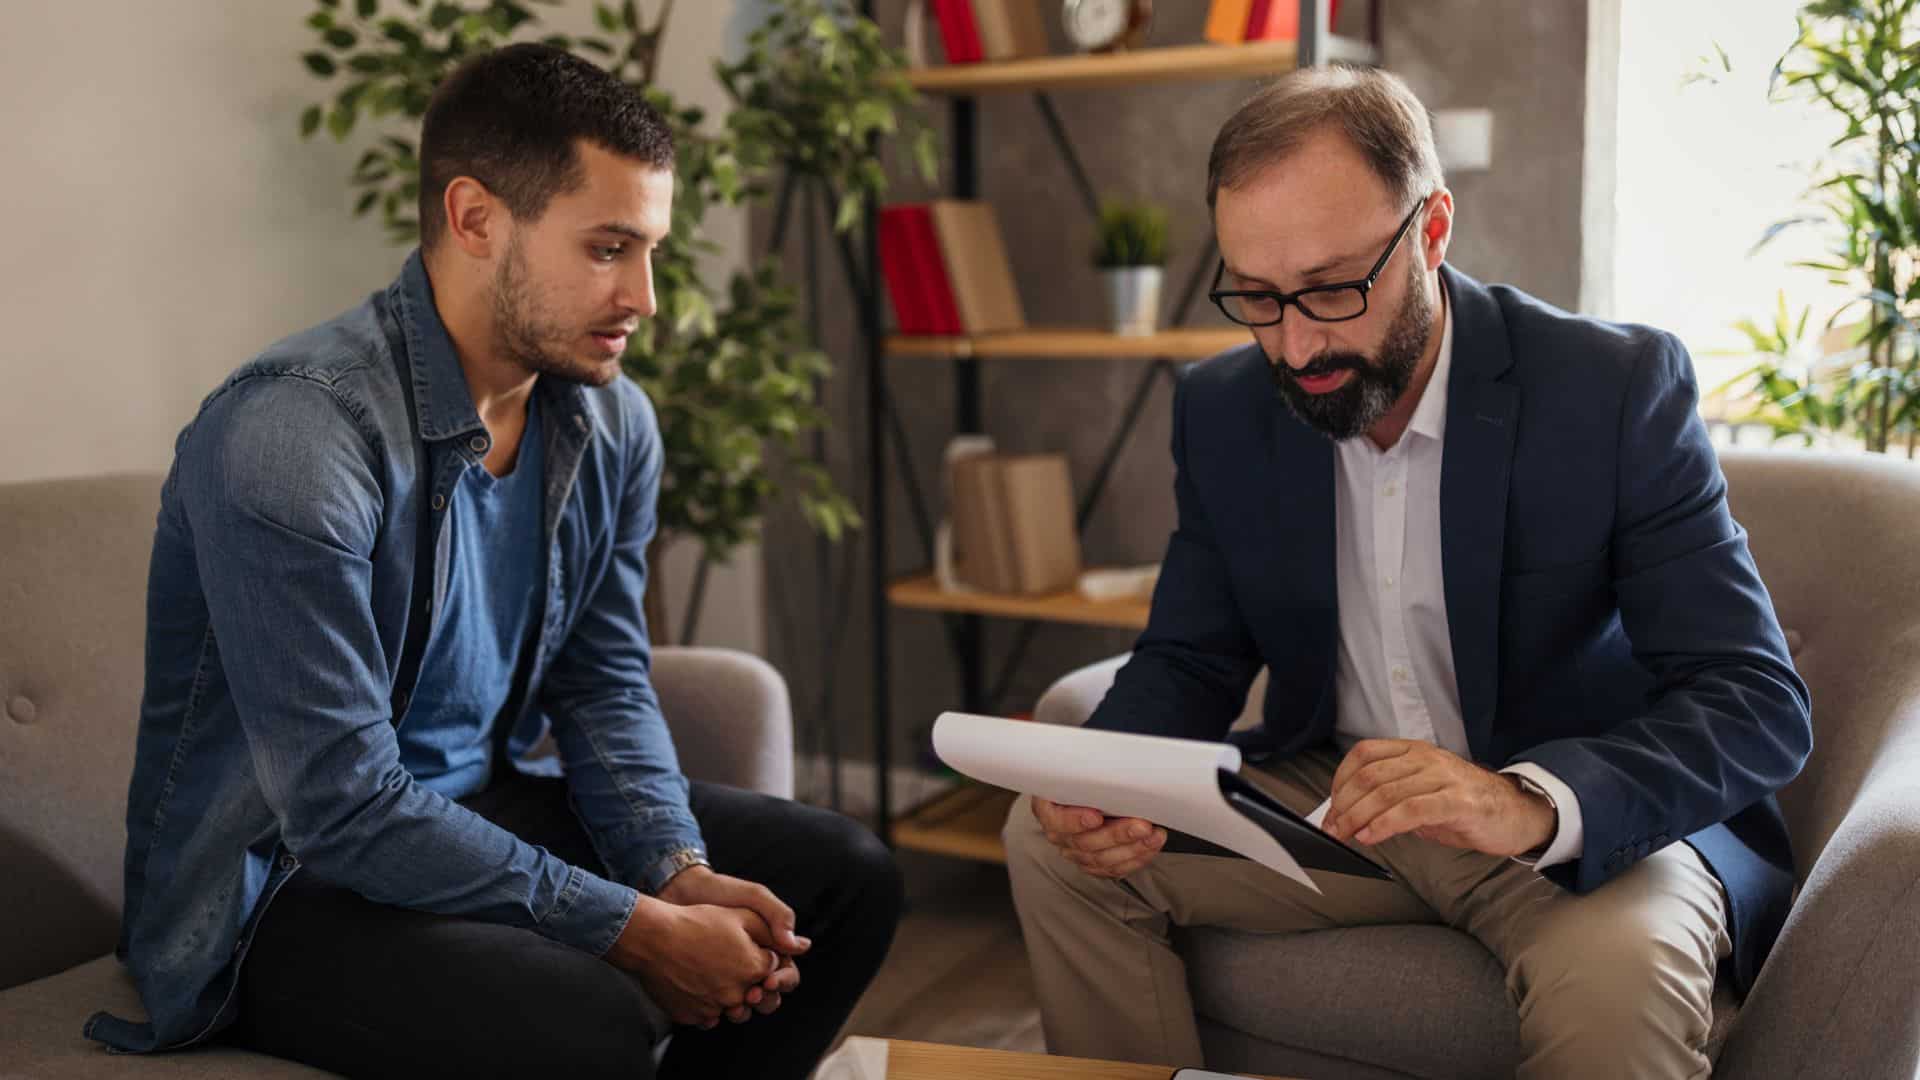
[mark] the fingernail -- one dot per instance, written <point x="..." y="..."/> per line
<point x="1157" y="839"/>
<point x="1139" y="831"/>
<point x="1092" y="820"/>
<point x="805" y="942"/>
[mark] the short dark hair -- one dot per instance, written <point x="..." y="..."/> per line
<point x="509" y="119"/>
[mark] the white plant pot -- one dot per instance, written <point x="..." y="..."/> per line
<point x="1133" y="297"/>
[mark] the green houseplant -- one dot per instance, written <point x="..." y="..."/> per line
<point x="1861" y="59"/>
<point x="728" y="363"/>
<point x="1793" y="391"/>
<point x="1130" y="251"/>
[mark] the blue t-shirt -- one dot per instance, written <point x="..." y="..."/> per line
<point x="494" y="567"/>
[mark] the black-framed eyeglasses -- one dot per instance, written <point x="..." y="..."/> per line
<point x="1338" y="302"/>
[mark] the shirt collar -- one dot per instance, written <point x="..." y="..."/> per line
<point x="1430" y="416"/>
<point x="440" y="391"/>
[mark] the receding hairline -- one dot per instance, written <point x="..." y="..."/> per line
<point x="1375" y="112"/>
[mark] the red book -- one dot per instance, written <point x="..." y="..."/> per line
<point x="1257" y="13"/>
<point x="899" y="267"/>
<point x="958" y="31"/>
<point x="943" y="311"/>
<point x="1279" y="20"/>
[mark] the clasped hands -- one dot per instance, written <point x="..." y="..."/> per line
<point x="709" y="946"/>
<point x="1383" y="788"/>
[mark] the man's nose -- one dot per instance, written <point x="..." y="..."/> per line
<point x="1296" y="341"/>
<point x="636" y="295"/>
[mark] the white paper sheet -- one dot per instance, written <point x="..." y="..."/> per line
<point x="1170" y="782"/>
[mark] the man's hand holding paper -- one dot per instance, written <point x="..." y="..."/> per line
<point x="1100" y="845"/>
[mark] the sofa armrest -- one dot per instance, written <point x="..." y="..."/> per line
<point x="1072" y="699"/>
<point x="730" y="715"/>
<point x="1838" y="995"/>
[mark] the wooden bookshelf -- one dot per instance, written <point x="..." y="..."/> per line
<point x="922" y="593"/>
<point x="963" y="822"/>
<point x="1074" y="71"/>
<point x="1188" y="343"/>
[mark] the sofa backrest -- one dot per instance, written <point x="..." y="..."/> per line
<point x="73" y="572"/>
<point x="1837" y="540"/>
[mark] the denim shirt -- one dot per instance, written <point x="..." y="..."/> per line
<point x="298" y="566"/>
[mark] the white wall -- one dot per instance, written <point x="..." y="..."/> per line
<point x="166" y="222"/>
<point x="1703" y="167"/>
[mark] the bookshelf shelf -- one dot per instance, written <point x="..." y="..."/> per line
<point x="920" y="592"/>
<point x="1179" y="63"/>
<point x="1074" y="343"/>
<point x="964" y="821"/>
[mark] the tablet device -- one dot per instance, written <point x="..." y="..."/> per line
<point x="1309" y="845"/>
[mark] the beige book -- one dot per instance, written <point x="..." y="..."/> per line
<point x="1011" y="29"/>
<point x="975" y="255"/>
<point x="983" y="555"/>
<point x="1040" y="515"/>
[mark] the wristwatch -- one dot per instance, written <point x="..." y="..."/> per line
<point x="1527" y="784"/>
<point x="671" y="864"/>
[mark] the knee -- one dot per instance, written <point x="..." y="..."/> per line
<point x="868" y="873"/>
<point x="1613" y="991"/>
<point x="1026" y="844"/>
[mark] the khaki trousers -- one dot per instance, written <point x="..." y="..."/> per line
<point x="1615" y="983"/>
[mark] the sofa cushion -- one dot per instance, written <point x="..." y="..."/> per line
<point x="40" y="1036"/>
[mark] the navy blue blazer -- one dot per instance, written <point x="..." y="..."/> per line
<point x="1606" y="618"/>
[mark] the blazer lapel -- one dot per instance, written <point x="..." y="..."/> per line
<point x="1299" y="513"/>
<point x="1476" y="464"/>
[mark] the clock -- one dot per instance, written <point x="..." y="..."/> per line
<point x="1105" y="25"/>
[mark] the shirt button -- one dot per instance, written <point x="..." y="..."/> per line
<point x="1393" y="489"/>
<point x="1388" y="581"/>
<point x="1400" y="674"/>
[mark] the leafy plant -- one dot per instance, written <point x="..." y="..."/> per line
<point x="1130" y="234"/>
<point x="821" y="85"/>
<point x="729" y="365"/>
<point x="1790" y="390"/>
<point x="1861" y="59"/>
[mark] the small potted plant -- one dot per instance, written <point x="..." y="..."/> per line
<point x="1131" y="254"/>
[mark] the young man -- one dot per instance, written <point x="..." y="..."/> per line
<point x="393" y="553"/>
<point x="1464" y="532"/>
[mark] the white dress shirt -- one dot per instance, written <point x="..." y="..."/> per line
<point x="1396" y="677"/>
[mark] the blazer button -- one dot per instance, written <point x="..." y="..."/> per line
<point x="439" y="501"/>
<point x="479" y="444"/>
<point x="288" y="862"/>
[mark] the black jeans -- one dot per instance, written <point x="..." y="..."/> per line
<point x="359" y="988"/>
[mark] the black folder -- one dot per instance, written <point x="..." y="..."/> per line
<point x="1311" y="847"/>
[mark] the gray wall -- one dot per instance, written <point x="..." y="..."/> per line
<point x="1518" y="222"/>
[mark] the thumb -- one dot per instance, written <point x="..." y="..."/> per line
<point x="778" y="916"/>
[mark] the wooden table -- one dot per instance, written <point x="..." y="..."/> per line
<point x="931" y="1061"/>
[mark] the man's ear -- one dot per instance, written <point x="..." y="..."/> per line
<point x="1437" y="231"/>
<point x="476" y="219"/>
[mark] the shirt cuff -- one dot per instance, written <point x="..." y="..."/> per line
<point x="590" y="912"/>
<point x="1571" y="837"/>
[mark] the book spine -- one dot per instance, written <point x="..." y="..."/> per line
<point x="898" y="266"/>
<point x="959" y="33"/>
<point x="943" y="310"/>
<point x="1227" y="22"/>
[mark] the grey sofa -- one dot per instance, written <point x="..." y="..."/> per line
<point x="73" y="566"/>
<point x="1837" y="539"/>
